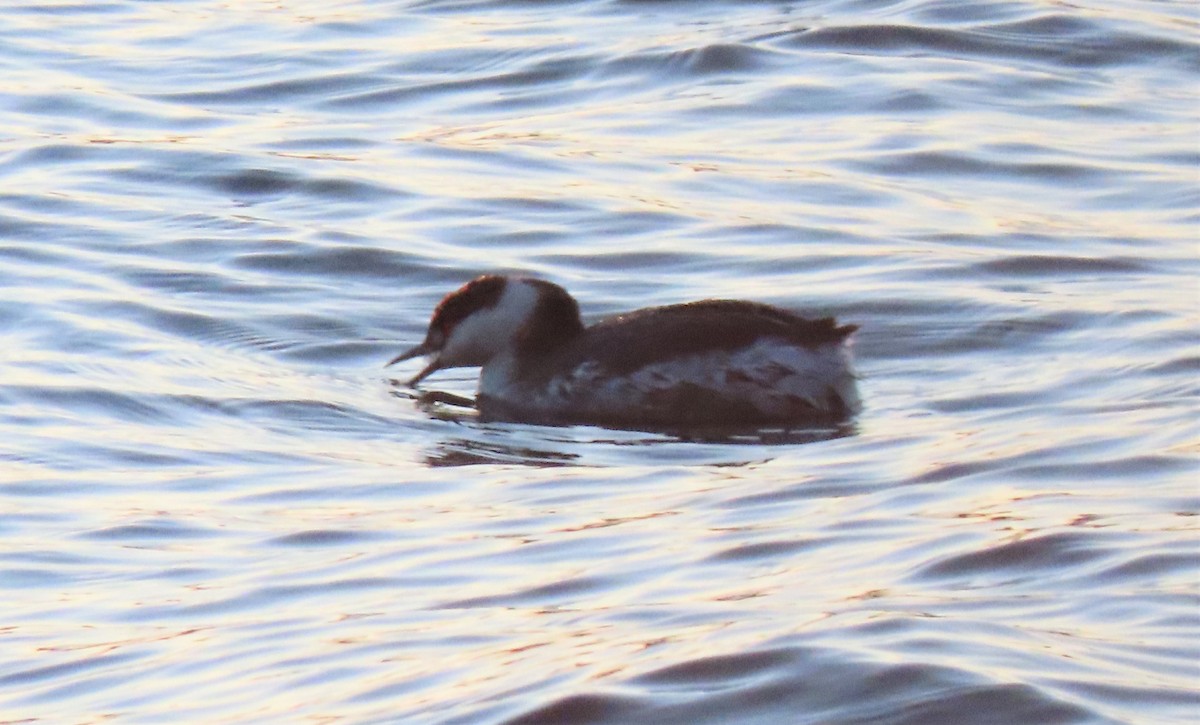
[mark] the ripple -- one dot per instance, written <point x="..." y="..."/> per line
<point x="1057" y="40"/>
<point x="767" y="550"/>
<point x="335" y="263"/>
<point x="825" y="685"/>
<point x="1022" y="558"/>
<point x="712" y="670"/>
<point x="499" y="86"/>
<point x="543" y="595"/>
<point x="945" y="163"/>
<point x="259" y="182"/>
<point x="321" y="537"/>
<point x="276" y="91"/>
<point x="1056" y="265"/>
<point x="209" y="327"/>
<point x="106" y="403"/>
<point x="66" y="669"/>
<point x="151" y="530"/>
<point x="220" y="508"/>
<point x="719" y="58"/>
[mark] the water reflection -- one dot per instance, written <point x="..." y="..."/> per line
<point x="493" y="442"/>
<point x="466" y="452"/>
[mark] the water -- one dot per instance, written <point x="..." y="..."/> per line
<point x="219" y="220"/>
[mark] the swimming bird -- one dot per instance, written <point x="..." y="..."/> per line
<point x="707" y="363"/>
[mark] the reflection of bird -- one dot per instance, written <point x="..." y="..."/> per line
<point x="707" y="363"/>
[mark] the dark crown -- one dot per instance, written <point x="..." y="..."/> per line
<point x="478" y="294"/>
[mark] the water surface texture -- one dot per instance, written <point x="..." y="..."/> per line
<point x="219" y="219"/>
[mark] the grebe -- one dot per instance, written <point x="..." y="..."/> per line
<point x="708" y="363"/>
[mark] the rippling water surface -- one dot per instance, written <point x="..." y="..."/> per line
<point x="219" y="220"/>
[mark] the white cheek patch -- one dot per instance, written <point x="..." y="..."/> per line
<point x="465" y="345"/>
<point x="487" y="332"/>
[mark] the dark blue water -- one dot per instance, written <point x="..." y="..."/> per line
<point x="219" y="220"/>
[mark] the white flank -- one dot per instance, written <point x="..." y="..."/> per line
<point x="770" y="375"/>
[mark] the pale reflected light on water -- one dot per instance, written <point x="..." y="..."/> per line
<point x="219" y="220"/>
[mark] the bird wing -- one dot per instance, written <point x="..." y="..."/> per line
<point x="628" y="342"/>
